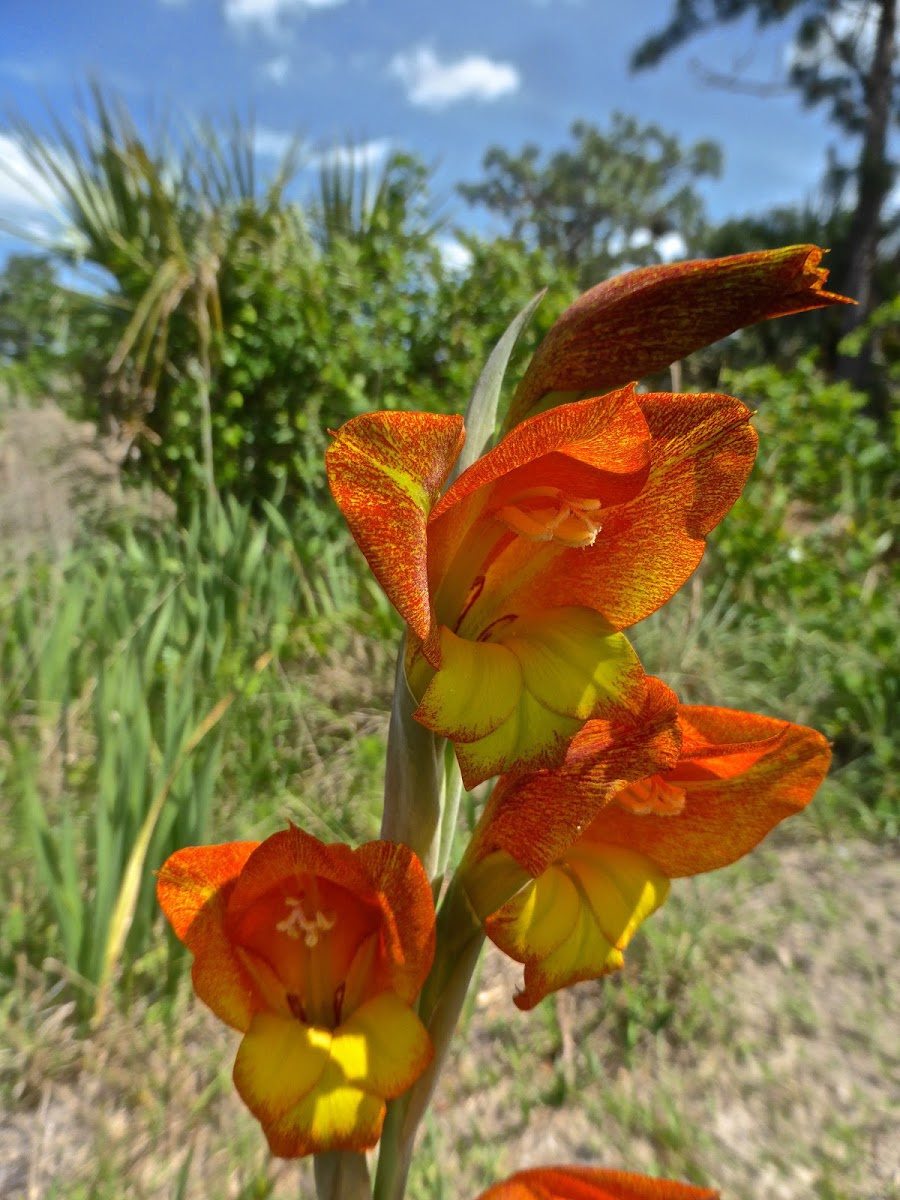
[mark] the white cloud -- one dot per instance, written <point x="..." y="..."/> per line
<point x="272" y="143"/>
<point x="668" y="247"/>
<point x="277" y="69"/>
<point x="364" y="154"/>
<point x="671" y="246"/>
<point x="434" y="84"/>
<point x="23" y="189"/>
<point x="275" y="143"/>
<point x="268" y="14"/>
<point x="454" y="255"/>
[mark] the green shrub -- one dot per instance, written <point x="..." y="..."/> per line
<point x="808" y="563"/>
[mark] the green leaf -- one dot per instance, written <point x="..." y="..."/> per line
<point x="481" y="415"/>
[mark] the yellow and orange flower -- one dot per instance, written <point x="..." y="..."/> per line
<point x="515" y="583"/>
<point x="585" y="864"/>
<point x="315" y="953"/>
<point x="591" y="1183"/>
<point x="586" y="517"/>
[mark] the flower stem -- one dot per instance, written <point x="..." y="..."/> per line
<point x="414" y="779"/>
<point x="341" y="1175"/>
<point x="459" y="941"/>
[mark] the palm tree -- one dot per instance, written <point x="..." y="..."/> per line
<point x="161" y="223"/>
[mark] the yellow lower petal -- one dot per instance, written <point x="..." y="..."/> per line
<point x="491" y="881"/>
<point x="532" y="738"/>
<point x="315" y="1090"/>
<point x="574" y="663"/>
<point x="383" y="1046"/>
<point x="475" y="690"/>
<point x="574" y="921"/>
<point x="336" y="1116"/>
<point x="517" y="702"/>
<point x="279" y="1061"/>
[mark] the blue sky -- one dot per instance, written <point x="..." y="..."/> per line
<point x="445" y="81"/>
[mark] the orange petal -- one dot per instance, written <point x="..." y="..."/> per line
<point x="279" y="861"/>
<point x="640" y="322"/>
<point x="597" y="448"/>
<point x="535" y="817"/>
<point x="701" y="453"/>
<point x="770" y="770"/>
<point x="589" y="1183"/>
<point x="193" y="889"/>
<point x="408" y="929"/>
<point x="386" y="471"/>
<point x="380" y="888"/>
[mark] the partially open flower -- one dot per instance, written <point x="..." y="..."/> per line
<point x="591" y="1183"/>
<point x="584" y="887"/>
<point x="315" y="953"/>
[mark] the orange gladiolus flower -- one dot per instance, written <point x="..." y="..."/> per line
<point x="640" y="322"/>
<point x="584" y="888"/>
<point x="515" y="583"/>
<point x="591" y="1183"/>
<point x="315" y="953"/>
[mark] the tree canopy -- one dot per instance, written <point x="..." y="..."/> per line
<point x="844" y="55"/>
<point x="606" y="202"/>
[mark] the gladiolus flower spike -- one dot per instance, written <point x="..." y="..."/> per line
<point x="516" y="582"/>
<point x="605" y="859"/>
<point x="315" y="953"/>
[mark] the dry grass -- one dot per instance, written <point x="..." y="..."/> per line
<point x="57" y="476"/>
<point x="749" y="1044"/>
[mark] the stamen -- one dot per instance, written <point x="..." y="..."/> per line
<point x="295" y="1004"/>
<point x="339" y="993"/>
<point x="546" y="514"/>
<point x="297" y="922"/>
<point x="652" y="796"/>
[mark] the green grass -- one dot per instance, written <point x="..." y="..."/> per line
<point x="149" y="683"/>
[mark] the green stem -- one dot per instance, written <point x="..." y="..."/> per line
<point x="459" y="941"/>
<point x="453" y="790"/>
<point x="414" y="779"/>
<point x="341" y="1175"/>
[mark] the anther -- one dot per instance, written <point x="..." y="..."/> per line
<point x="297" y="923"/>
<point x="339" y="992"/>
<point x="652" y="796"/>
<point x="296" y="1006"/>
<point x="546" y="514"/>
